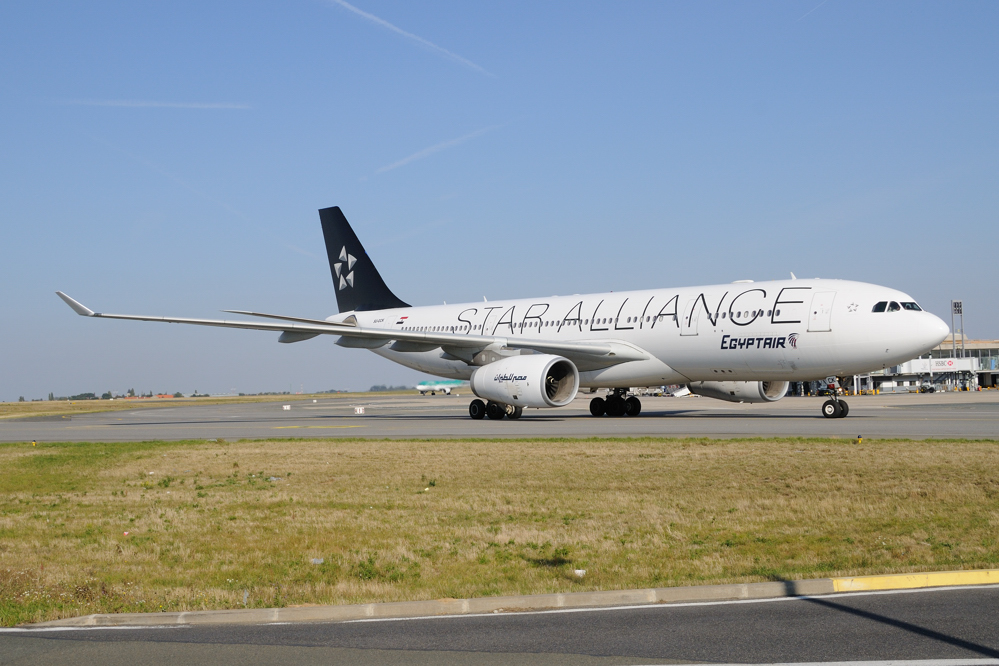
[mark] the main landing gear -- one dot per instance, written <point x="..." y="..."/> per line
<point x="618" y="403"/>
<point x="835" y="408"/>
<point x="494" y="410"/>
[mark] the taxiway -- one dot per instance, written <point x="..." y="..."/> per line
<point x="912" y="416"/>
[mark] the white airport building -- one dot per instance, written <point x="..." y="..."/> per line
<point x="968" y="365"/>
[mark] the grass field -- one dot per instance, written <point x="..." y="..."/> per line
<point x="217" y="525"/>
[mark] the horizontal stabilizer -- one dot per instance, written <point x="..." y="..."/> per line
<point x="302" y="320"/>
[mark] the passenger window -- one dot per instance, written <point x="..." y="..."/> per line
<point x="894" y="307"/>
<point x="911" y="306"/>
<point x="880" y="306"/>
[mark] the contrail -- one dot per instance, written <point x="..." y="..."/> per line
<point x="138" y="103"/>
<point x="419" y="40"/>
<point x="437" y="148"/>
<point x="813" y="9"/>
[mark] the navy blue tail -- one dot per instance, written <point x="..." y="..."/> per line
<point x="358" y="284"/>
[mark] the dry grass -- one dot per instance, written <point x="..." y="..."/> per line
<point x="396" y="520"/>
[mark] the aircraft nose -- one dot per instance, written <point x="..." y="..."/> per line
<point x="933" y="330"/>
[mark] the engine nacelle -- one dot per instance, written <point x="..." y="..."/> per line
<point x="740" y="391"/>
<point x="534" y="380"/>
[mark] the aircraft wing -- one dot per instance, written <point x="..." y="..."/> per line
<point x="588" y="355"/>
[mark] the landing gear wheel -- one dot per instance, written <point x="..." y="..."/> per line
<point x="831" y="409"/>
<point x="514" y="413"/>
<point x="632" y="406"/>
<point x="616" y="406"/>
<point x="495" y="411"/>
<point x="598" y="406"/>
<point x="844" y="408"/>
<point x="477" y="409"/>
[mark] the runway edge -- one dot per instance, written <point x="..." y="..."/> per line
<point x="537" y="602"/>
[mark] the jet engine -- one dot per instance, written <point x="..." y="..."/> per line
<point x="533" y="380"/>
<point x="740" y="391"/>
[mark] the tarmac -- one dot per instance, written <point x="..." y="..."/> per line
<point x="911" y="416"/>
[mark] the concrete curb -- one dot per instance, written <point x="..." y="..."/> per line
<point x="662" y="595"/>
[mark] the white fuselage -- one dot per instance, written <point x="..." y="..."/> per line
<point x="760" y="331"/>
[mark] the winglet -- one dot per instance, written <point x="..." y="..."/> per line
<point x="78" y="307"/>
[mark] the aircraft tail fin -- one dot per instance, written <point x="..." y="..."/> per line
<point x="358" y="284"/>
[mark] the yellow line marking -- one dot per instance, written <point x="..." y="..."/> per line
<point x="908" y="581"/>
<point x="316" y="427"/>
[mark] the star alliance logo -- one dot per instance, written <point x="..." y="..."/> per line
<point x="346" y="276"/>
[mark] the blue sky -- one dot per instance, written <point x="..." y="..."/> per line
<point x="169" y="158"/>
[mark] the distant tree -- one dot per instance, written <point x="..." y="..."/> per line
<point x="21" y="399"/>
<point x="51" y="396"/>
<point x="131" y="393"/>
<point x="178" y="394"/>
<point x="106" y="395"/>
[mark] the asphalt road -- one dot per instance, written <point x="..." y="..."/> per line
<point x="926" y="624"/>
<point x="940" y="415"/>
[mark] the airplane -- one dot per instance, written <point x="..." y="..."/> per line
<point x="739" y="342"/>
<point x="441" y="385"/>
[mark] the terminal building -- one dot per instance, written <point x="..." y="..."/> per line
<point x="965" y="366"/>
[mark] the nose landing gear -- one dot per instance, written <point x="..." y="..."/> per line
<point x="835" y="409"/>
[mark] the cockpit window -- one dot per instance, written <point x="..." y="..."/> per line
<point x="880" y="307"/>
<point x="894" y="307"/>
<point x="911" y="306"/>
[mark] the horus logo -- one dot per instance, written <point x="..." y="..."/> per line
<point x="793" y="340"/>
<point x="346" y="275"/>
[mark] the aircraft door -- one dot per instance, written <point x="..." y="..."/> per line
<point x="688" y="325"/>
<point x="820" y="314"/>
